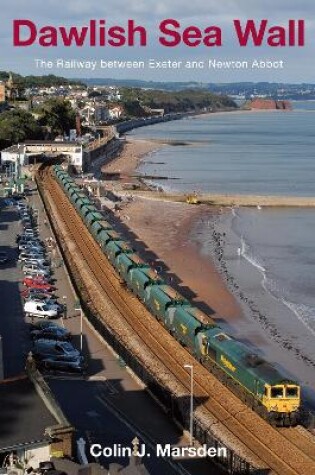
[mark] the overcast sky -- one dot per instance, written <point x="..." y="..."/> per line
<point x="298" y="62"/>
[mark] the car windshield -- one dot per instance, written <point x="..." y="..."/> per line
<point x="45" y="308"/>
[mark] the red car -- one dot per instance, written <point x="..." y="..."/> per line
<point x="28" y="292"/>
<point x="37" y="283"/>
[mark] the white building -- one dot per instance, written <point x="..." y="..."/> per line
<point x="36" y="150"/>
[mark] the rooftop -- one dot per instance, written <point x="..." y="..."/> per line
<point x="23" y="416"/>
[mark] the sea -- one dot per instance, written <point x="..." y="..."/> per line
<point x="267" y="256"/>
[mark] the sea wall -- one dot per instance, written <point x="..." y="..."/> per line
<point x="127" y="125"/>
<point x="103" y="150"/>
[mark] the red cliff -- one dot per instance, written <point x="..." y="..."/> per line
<point x="269" y="104"/>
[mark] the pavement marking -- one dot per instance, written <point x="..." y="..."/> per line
<point x="62" y="377"/>
<point x="96" y="377"/>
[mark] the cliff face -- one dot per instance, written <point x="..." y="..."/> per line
<point x="269" y="104"/>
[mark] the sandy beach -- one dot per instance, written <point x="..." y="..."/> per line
<point x="161" y="233"/>
<point x="132" y="153"/>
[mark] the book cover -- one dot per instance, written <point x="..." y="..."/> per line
<point x="156" y="245"/>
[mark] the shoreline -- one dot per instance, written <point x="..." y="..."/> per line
<point x="135" y="151"/>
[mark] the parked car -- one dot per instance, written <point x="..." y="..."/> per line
<point x="38" y="283"/>
<point x="38" y="275"/>
<point x="51" y="333"/>
<point x="29" y="242"/>
<point x="29" y="256"/>
<point x="30" y="247"/>
<point x="43" y="324"/>
<point x="51" y="303"/>
<point x="30" y="232"/>
<point x="4" y="258"/>
<point x="40" y="262"/>
<point x="60" y="355"/>
<point x="36" y="268"/>
<point x="22" y="237"/>
<point x="43" y="297"/>
<point x="38" y="309"/>
<point x="26" y="293"/>
<point x="26" y="246"/>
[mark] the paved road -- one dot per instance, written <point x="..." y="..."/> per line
<point x="109" y="406"/>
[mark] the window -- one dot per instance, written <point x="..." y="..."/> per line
<point x="291" y="392"/>
<point x="276" y="392"/>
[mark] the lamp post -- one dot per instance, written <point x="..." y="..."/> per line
<point x="78" y="308"/>
<point x="81" y="329"/>
<point x="191" y="416"/>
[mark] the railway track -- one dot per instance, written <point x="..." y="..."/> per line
<point x="286" y="451"/>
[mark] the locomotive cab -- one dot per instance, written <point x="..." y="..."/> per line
<point x="282" y="399"/>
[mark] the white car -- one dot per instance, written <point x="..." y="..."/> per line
<point x="50" y="303"/>
<point x="26" y="256"/>
<point x="42" y="263"/>
<point x="34" y="267"/>
<point x="37" y="309"/>
<point x="31" y="248"/>
<point x="36" y="272"/>
<point x="30" y="232"/>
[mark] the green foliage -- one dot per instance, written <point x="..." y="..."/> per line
<point x="133" y="109"/>
<point x="180" y="101"/>
<point x="38" y="81"/>
<point x="58" y="116"/>
<point x="17" y="126"/>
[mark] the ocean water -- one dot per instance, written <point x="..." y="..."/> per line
<point x="268" y="255"/>
<point x="265" y="153"/>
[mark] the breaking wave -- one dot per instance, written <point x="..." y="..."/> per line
<point x="246" y="252"/>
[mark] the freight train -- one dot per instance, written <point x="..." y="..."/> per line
<point x="254" y="380"/>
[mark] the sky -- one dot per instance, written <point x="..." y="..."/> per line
<point x="290" y="64"/>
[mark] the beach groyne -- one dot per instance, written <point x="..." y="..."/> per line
<point x="229" y="200"/>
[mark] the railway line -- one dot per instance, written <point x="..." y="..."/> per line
<point x="284" y="451"/>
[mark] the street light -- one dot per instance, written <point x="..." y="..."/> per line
<point x="78" y="308"/>
<point x="81" y="329"/>
<point x="191" y="416"/>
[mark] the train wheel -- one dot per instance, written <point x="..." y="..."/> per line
<point x="272" y="419"/>
<point x="286" y="420"/>
<point x="293" y="419"/>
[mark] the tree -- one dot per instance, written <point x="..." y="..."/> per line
<point x="58" y="115"/>
<point x="17" y="126"/>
